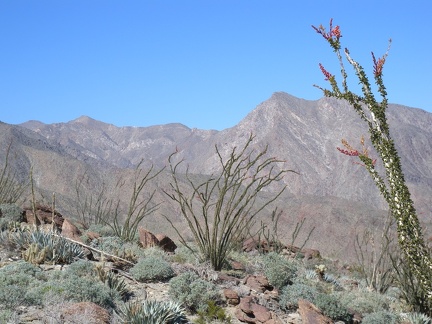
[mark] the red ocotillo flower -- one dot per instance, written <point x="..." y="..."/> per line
<point x="327" y="74"/>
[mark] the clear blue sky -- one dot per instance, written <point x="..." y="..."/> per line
<point x="203" y="63"/>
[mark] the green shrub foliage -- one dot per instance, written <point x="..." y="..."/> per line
<point x="291" y="294"/>
<point x="331" y="307"/>
<point x="279" y="270"/>
<point x="193" y="292"/>
<point x="381" y="317"/>
<point x="152" y="268"/>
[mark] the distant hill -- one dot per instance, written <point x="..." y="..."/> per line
<point x="334" y="194"/>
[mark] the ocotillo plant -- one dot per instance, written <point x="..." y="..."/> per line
<point x="391" y="184"/>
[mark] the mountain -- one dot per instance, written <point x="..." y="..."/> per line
<point x="333" y="193"/>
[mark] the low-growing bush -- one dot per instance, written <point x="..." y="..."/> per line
<point x="279" y="270"/>
<point x="101" y="229"/>
<point x="192" y="291"/>
<point x="81" y="268"/>
<point x="16" y="281"/>
<point x="291" y="294"/>
<point x="331" y="307"/>
<point x="9" y="213"/>
<point x="80" y="289"/>
<point x="364" y="301"/>
<point x="381" y="317"/>
<point x="152" y="268"/>
<point x="152" y="312"/>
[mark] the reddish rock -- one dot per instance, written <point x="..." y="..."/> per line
<point x="246" y="305"/>
<point x="85" y="312"/>
<point x="223" y="277"/>
<point x="257" y="283"/>
<point x="261" y="313"/>
<point x="44" y="215"/>
<point x="146" y="238"/>
<point x="242" y="317"/>
<point x="166" y="243"/>
<point x="69" y="230"/>
<point x="311" y="314"/>
<point x="250" y="312"/>
<point x="231" y="296"/>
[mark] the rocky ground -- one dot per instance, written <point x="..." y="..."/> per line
<point x="247" y="296"/>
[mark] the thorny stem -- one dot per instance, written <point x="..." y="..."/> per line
<point x="394" y="189"/>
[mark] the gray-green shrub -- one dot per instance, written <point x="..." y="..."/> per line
<point x="364" y="301"/>
<point x="16" y="281"/>
<point x="331" y="307"/>
<point x="9" y="213"/>
<point x="152" y="268"/>
<point x="279" y="270"/>
<point x="192" y="291"/>
<point x="291" y="294"/>
<point x="381" y="317"/>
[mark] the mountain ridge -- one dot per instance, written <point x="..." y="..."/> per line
<point x="304" y="133"/>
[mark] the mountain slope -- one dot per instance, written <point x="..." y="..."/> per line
<point x="334" y="194"/>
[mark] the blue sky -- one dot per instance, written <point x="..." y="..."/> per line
<point x="205" y="64"/>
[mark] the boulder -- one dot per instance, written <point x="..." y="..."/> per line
<point x="85" y="312"/>
<point x="311" y="314"/>
<point x="69" y="230"/>
<point x="257" y="283"/>
<point x="250" y="312"/>
<point x="166" y="243"/>
<point x="146" y="238"/>
<point x="231" y="296"/>
<point x="44" y="215"/>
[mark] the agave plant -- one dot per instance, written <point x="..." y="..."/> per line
<point x="153" y="312"/>
<point x="46" y="247"/>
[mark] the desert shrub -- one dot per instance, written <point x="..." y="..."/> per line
<point x="381" y="317"/>
<point x="185" y="255"/>
<point x="81" y="268"/>
<point x="101" y="229"/>
<point x="192" y="291"/>
<point x="152" y="268"/>
<point x="212" y="313"/>
<point x="227" y="206"/>
<point x="364" y="301"/>
<point x="8" y="316"/>
<point x="24" y="284"/>
<point x="331" y="307"/>
<point x="80" y="289"/>
<point x="291" y="294"/>
<point x="279" y="270"/>
<point x="152" y="312"/>
<point x="109" y="244"/>
<point x="9" y="213"/>
<point x="16" y="281"/>
<point x="115" y="245"/>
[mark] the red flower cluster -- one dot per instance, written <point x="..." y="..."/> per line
<point x="334" y="32"/>
<point x="348" y="152"/>
<point x="378" y="64"/>
<point x="327" y="74"/>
